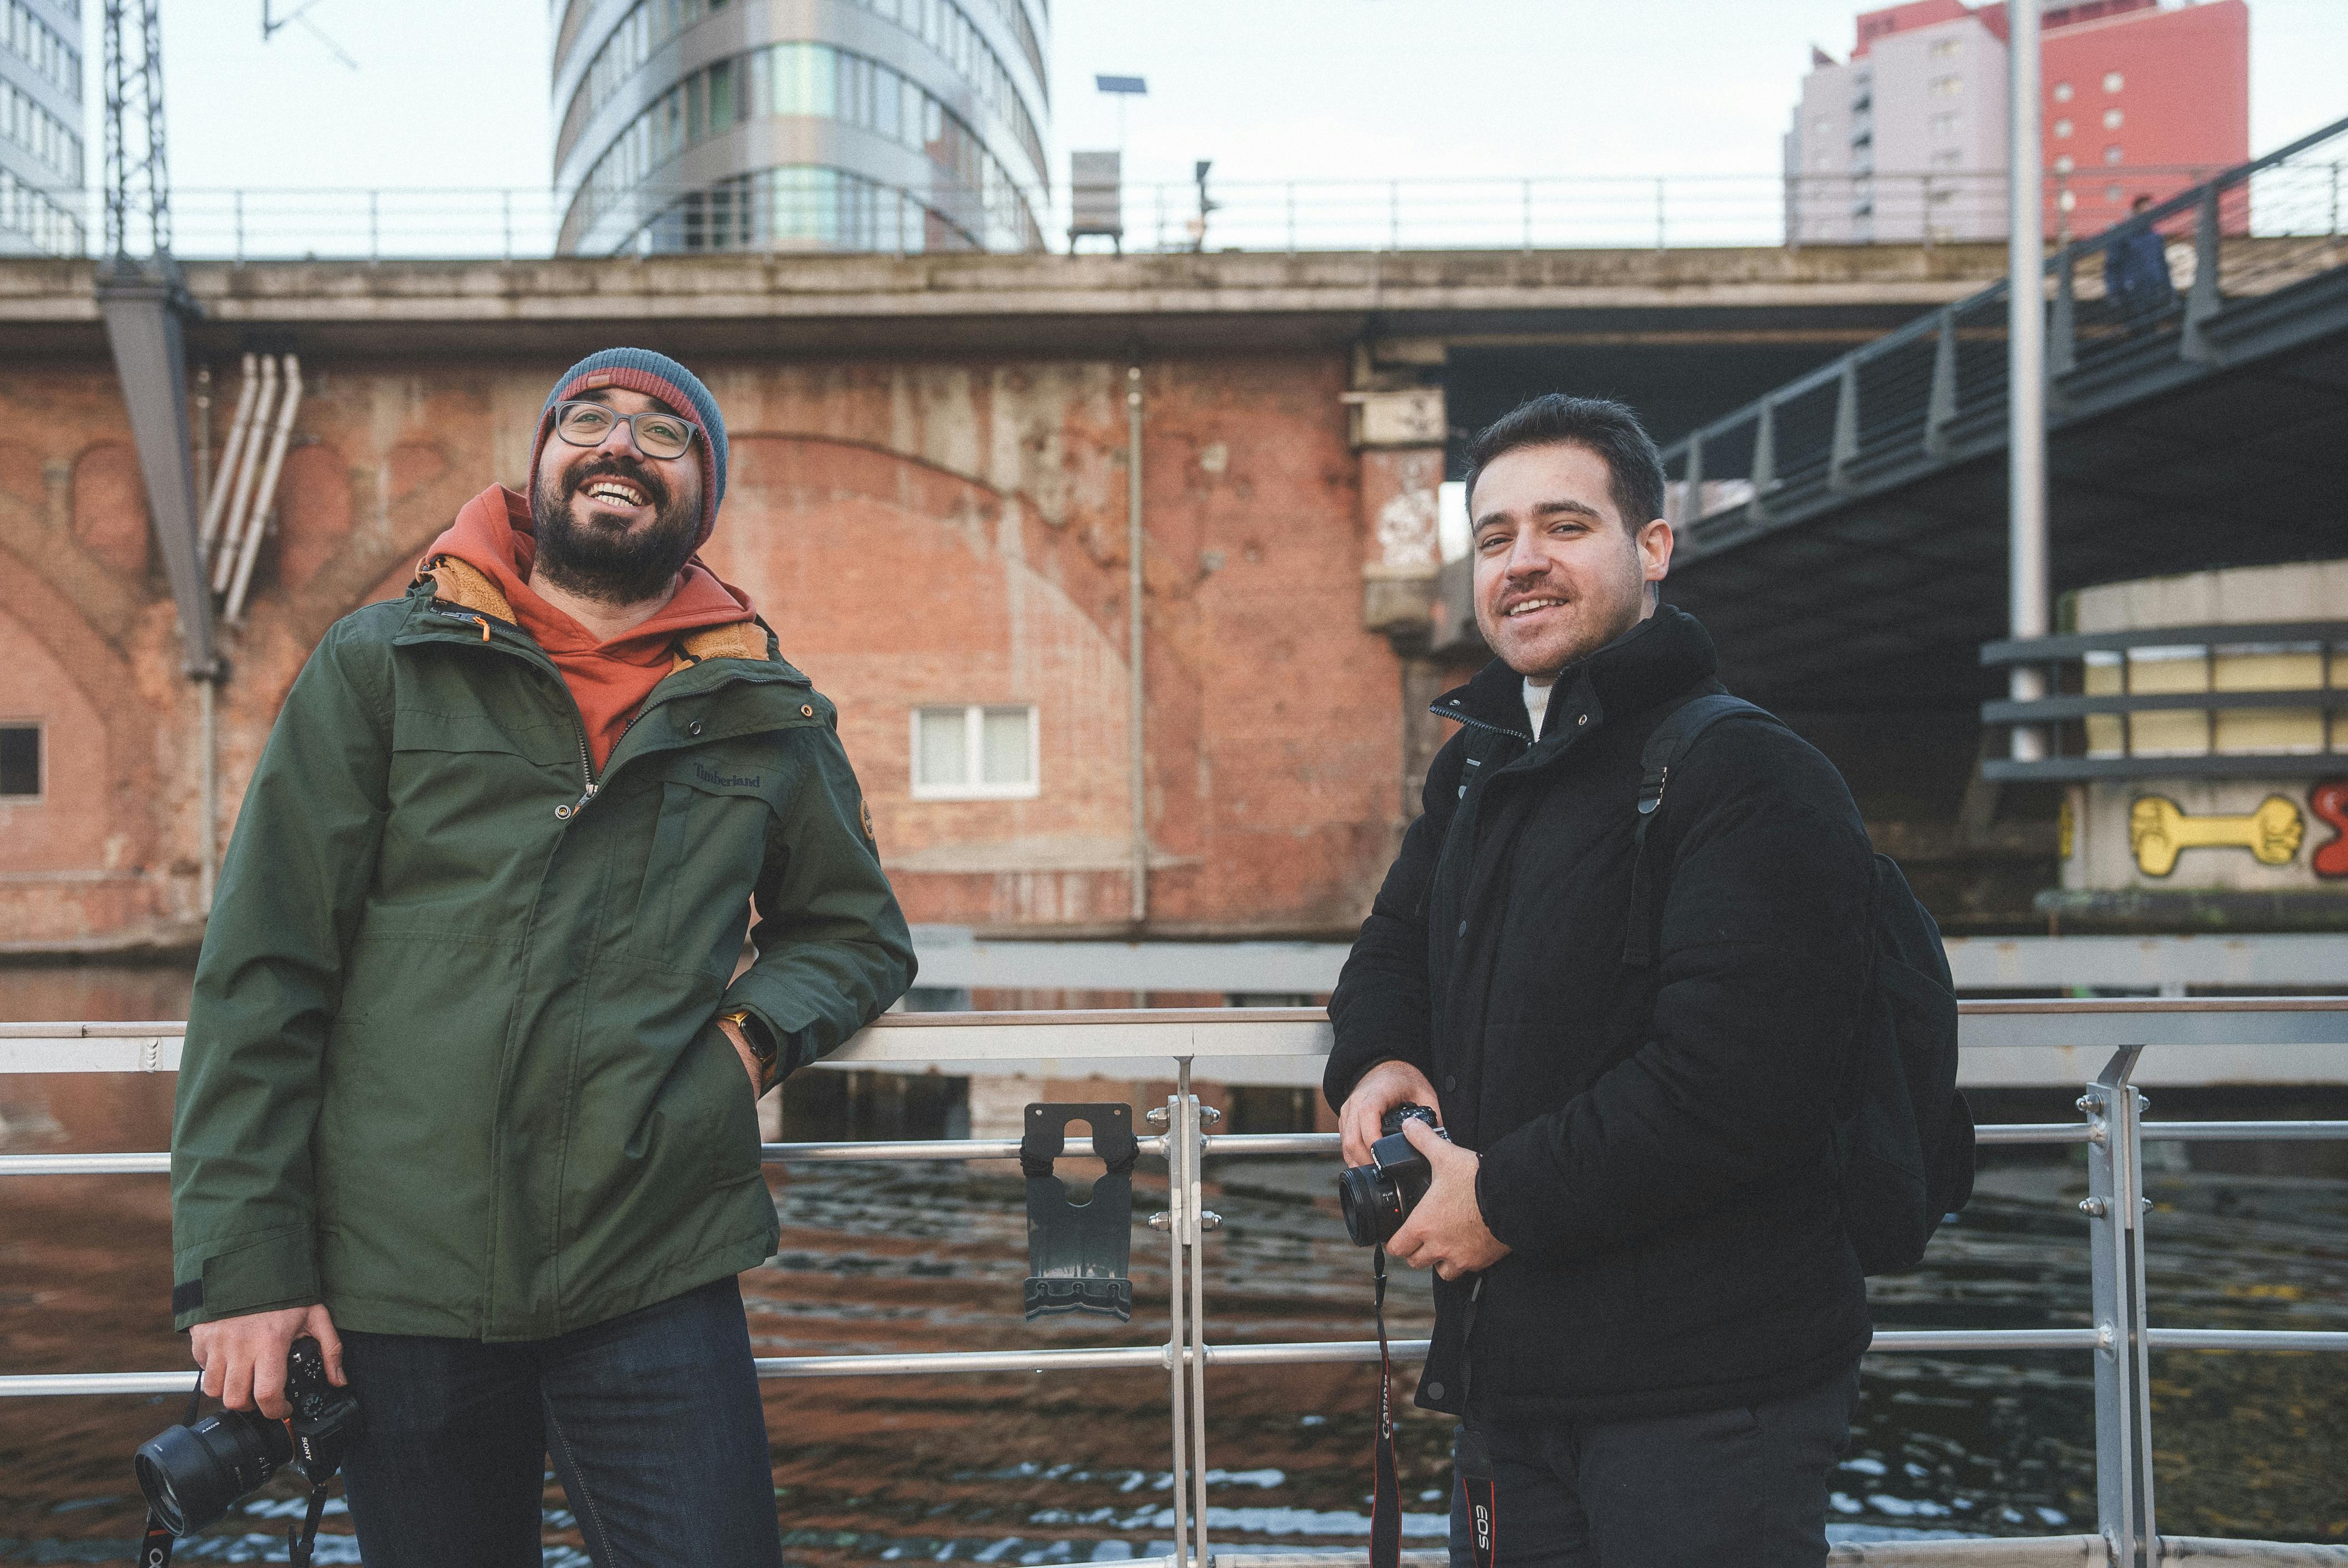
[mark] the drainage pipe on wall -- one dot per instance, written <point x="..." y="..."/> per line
<point x="1138" y="758"/>
<point x="248" y="468"/>
<point x="234" y="612"/>
<point x="216" y="503"/>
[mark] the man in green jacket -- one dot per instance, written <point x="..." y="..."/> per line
<point x="469" y="1087"/>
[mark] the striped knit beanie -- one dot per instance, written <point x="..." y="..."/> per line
<point x="655" y="375"/>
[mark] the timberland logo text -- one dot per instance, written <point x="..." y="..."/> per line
<point x="725" y="781"/>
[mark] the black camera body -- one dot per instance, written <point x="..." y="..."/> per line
<point x="1377" y="1197"/>
<point x="193" y="1474"/>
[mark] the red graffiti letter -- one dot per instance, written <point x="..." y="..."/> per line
<point x="2329" y="801"/>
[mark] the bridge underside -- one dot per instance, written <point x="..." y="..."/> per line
<point x="1881" y="603"/>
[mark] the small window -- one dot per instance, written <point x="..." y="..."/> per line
<point x="2061" y="128"/>
<point x="1942" y="48"/>
<point x="2112" y="194"/>
<point x="20" y="762"/>
<point x="2112" y="154"/>
<point x="2114" y="81"/>
<point x="974" y="752"/>
<point x="2112" y="119"/>
<point x="1945" y="123"/>
<point x="1947" y="86"/>
<point x="2062" y="165"/>
<point x="2067" y="199"/>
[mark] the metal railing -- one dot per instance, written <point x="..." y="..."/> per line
<point x="1934" y="392"/>
<point x="1198" y="1044"/>
<point x="1631" y="212"/>
<point x="2254" y="700"/>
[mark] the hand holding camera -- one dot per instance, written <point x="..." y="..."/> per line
<point x="1406" y="1186"/>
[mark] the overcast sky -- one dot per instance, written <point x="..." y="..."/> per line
<point x="455" y="92"/>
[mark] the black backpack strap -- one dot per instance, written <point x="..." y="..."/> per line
<point x="1660" y="754"/>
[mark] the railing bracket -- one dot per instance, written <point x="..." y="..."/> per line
<point x="1078" y="1254"/>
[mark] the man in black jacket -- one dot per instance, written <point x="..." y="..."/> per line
<point x="1646" y="1309"/>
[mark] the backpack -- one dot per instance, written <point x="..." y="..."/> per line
<point x="1904" y="1141"/>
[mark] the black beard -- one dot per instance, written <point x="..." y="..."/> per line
<point x="611" y="567"/>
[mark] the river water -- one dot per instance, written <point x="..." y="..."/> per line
<point x="1074" y="1467"/>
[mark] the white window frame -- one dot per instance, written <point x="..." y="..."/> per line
<point x="40" y="763"/>
<point x="974" y="743"/>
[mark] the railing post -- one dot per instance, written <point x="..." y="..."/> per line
<point x="2201" y="302"/>
<point x="1691" y="506"/>
<point x="1528" y="208"/>
<point x="1195" y="1223"/>
<point x="508" y="204"/>
<point x="1941" y="411"/>
<point x="1393" y="214"/>
<point x="240" y="226"/>
<point x="2062" y="328"/>
<point x="2115" y="1209"/>
<point x="374" y="226"/>
<point x="1658" y="212"/>
<point x="1178" y="1339"/>
<point x="1764" y="462"/>
<point x="1845" y="451"/>
<point x="1292" y="217"/>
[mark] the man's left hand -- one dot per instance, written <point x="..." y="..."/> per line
<point x="1447" y="1229"/>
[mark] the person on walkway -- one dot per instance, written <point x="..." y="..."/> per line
<point x="470" y="1082"/>
<point x="1648" y="1315"/>
<point x="2136" y="269"/>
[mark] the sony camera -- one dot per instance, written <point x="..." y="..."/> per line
<point x="1378" y="1196"/>
<point x="193" y="1474"/>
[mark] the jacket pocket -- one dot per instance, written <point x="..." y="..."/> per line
<point x="706" y="846"/>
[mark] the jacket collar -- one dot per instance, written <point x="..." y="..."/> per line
<point x="1661" y="657"/>
<point x="458" y="582"/>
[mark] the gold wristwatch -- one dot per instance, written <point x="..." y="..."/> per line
<point x="755" y="1034"/>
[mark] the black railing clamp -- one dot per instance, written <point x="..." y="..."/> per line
<point x="1077" y="1254"/>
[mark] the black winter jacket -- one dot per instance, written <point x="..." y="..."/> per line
<point x="1655" y="1142"/>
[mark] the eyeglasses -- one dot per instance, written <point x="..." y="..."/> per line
<point x="656" y="433"/>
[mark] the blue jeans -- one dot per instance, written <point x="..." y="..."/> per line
<point x="653" y="1420"/>
<point x="1746" y="1485"/>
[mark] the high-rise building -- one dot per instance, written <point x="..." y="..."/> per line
<point x="838" y="125"/>
<point x="40" y="128"/>
<point x="1906" y="139"/>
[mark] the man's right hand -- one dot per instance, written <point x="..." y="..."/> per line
<point x="244" y="1357"/>
<point x="1388" y="1084"/>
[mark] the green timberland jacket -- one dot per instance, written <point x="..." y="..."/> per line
<point x="452" y="1066"/>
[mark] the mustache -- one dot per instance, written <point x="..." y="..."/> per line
<point x="617" y="468"/>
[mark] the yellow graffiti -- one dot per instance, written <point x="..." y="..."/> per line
<point x="2158" y="831"/>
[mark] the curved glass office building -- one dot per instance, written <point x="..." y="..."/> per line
<point x="835" y="125"/>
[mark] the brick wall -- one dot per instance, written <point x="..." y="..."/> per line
<point x="918" y="532"/>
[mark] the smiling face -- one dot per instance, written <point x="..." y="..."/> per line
<point x="612" y="524"/>
<point x="1557" y="574"/>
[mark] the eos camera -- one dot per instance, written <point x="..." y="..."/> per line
<point x="1378" y="1196"/>
<point x="193" y="1474"/>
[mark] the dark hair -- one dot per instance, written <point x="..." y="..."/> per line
<point x="1633" y="467"/>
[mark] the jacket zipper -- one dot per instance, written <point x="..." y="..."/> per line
<point x="589" y="785"/>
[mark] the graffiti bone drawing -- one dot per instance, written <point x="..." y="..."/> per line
<point x="2159" y="830"/>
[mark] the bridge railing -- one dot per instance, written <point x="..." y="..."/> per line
<point x="1190" y="1046"/>
<point x="1934" y="391"/>
<point x="1633" y="212"/>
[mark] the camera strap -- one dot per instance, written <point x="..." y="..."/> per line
<point x="302" y="1539"/>
<point x="1385" y="1493"/>
<point x="155" y="1545"/>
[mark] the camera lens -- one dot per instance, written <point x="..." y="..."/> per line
<point x="193" y="1474"/>
<point x="1372" y="1209"/>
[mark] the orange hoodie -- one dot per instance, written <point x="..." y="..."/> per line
<point x="609" y="680"/>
